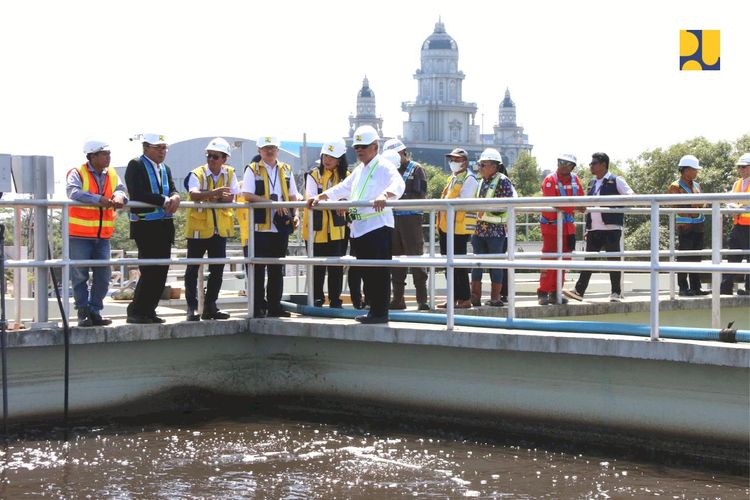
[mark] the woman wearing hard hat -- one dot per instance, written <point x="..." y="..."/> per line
<point x="690" y="226"/>
<point x="329" y="226"/>
<point x="739" y="238"/>
<point x="462" y="184"/>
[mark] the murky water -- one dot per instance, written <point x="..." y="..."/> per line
<point x="275" y="457"/>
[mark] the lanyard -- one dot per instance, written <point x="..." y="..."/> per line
<point x="409" y="170"/>
<point x="275" y="178"/>
<point x="688" y="190"/>
<point x="573" y="186"/>
<point x="363" y="185"/>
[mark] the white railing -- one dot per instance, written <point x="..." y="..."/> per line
<point x="636" y="204"/>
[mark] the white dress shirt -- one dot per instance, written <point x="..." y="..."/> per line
<point x="597" y="224"/>
<point x="234" y="186"/>
<point x="274" y="187"/>
<point x="385" y="179"/>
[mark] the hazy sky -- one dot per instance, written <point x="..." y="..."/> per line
<point x="585" y="76"/>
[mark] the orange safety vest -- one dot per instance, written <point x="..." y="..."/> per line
<point x="88" y="221"/>
<point x="741" y="219"/>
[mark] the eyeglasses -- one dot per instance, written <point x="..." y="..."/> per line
<point x="214" y="156"/>
<point x="563" y="163"/>
<point x="743" y="166"/>
<point x="160" y="147"/>
<point x="362" y="146"/>
<point x="594" y="163"/>
<point x="486" y="164"/>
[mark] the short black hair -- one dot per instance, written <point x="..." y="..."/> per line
<point x="601" y="158"/>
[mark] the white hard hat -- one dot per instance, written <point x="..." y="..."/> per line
<point x="220" y="145"/>
<point x="392" y="156"/>
<point x="154" y="139"/>
<point x="491" y="154"/>
<point x="336" y="149"/>
<point x="268" y="140"/>
<point x="744" y="160"/>
<point x="365" y="135"/>
<point x="394" y="144"/>
<point x="689" y="161"/>
<point x="568" y="157"/>
<point x="95" y="146"/>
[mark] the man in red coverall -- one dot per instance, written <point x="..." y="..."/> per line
<point x="560" y="183"/>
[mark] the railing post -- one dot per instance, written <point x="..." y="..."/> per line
<point x="654" y="271"/>
<point x="510" y="285"/>
<point x="250" y="275"/>
<point x="716" y="243"/>
<point x="432" y="254"/>
<point x="450" y="297"/>
<point x="671" y="253"/>
<point x="310" y="279"/>
<point x="65" y="282"/>
<point x="558" y="271"/>
<point x="41" y="241"/>
<point x="17" y="273"/>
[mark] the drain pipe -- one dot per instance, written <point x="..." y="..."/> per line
<point x="549" y="325"/>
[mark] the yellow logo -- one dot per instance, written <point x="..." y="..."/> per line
<point x="161" y="138"/>
<point x="699" y="50"/>
<point x="267" y="140"/>
<point x="357" y="137"/>
<point x="330" y="148"/>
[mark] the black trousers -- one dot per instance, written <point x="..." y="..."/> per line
<point x="353" y="275"/>
<point x="377" y="280"/>
<point x="739" y="239"/>
<point x="460" y="275"/>
<point x="154" y="241"/>
<point x="269" y="245"/>
<point x="216" y="247"/>
<point x="596" y="241"/>
<point x="689" y="239"/>
<point x="335" y="248"/>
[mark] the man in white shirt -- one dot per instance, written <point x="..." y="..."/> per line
<point x="603" y="230"/>
<point x="376" y="179"/>
<point x="207" y="229"/>
<point x="264" y="180"/>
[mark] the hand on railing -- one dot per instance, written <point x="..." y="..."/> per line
<point x="172" y="204"/>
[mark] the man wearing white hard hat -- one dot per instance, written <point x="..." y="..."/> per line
<point x="91" y="226"/>
<point x="269" y="179"/>
<point x="690" y="226"/>
<point x="407" y="233"/>
<point x="562" y="182"/>
<point x="149" y="180"/>
<point x="374" y="179"/>
<point x="603" y="229"/>
<point x="207" y="229"/>
<point x="329" y="226"/>
<point x="490" y="235"/>
<point x="739" y="238"/>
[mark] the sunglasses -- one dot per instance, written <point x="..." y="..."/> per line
<point x="214" y="156"/>
<point x="362" y="146"/>
<point x="564" y="163"/>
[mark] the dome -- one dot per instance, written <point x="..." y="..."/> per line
<point x="507" y="102"/>
<point x="439" y="39"/>
<point x="366" y="91"/>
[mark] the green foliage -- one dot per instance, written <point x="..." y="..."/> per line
<point x="526" y="176"/>
<point x="436" y="180"/>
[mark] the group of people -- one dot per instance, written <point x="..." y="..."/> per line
<point x="374" y="232"/>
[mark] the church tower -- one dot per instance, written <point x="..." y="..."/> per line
<point x="509" y="137"/>
<point x="439" y="115"/>
<point x="365" y="110"/>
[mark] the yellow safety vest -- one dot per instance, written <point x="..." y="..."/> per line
<point x="741" y="219"/>
<point x="262" y="223"/>
<point x="500" y="217"/>
<point x="203" y="223"/>
<point x="466" y="222"/>
<point x="330" y="227"/>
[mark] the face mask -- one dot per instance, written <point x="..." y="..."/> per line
<point x="455" y="166"/>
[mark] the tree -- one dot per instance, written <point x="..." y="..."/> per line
<point x="526" y="176"/>
<point x="436" y="180"/>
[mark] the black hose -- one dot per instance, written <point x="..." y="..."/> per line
<point x="66" y="340"/>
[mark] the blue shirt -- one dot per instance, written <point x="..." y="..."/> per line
<point x="74" y="186"/>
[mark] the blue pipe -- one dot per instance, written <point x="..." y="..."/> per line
<point x="561" y="326"/>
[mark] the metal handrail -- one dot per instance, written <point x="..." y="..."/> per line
<point x="624" y="204"/>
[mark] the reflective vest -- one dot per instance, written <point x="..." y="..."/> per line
<point x="327" y="224"/>
<point x="466" y="222"/>
<point x="492" y="217"/>
<point x="93" y="222"/>
<point x="262" y="217"/>
<point x="688" y="218"/>
<point x="162" y="188"/>
<point x="203" y="223"/>
<point x="741" y="219"/>
<point x="553" y="186"/>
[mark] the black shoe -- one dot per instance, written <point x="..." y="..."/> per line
<point x="191" y="316"/>
<point x="553" y="299"/>
<point x="504" y="298"/>
<point x="357" y="303"/>
<point x="366" y="319"/>
<point x="336" y="304"/>
<point x="685" y="293"/>
<point x="543" y="298"/>
<point x="156" y="319"/>
<point x="727" y="290"/>
<point x="318" y="303"/>
<point x="278" y="314"/>
<point x="214" y="315"/>
<point x="259" y="313"/>
<point x="97" y="320"/>
<point x="700" y="292"/>
<point x="139" y="320"/>
<point x="742" y="292"/>
<point x="423" y="307"/>
<point x="85" y="320"/>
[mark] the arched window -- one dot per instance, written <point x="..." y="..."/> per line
<point x="441" y="92"/>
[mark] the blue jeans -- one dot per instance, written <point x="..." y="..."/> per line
<point x="89" y="249"/>
<point x="493" y="244"/>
